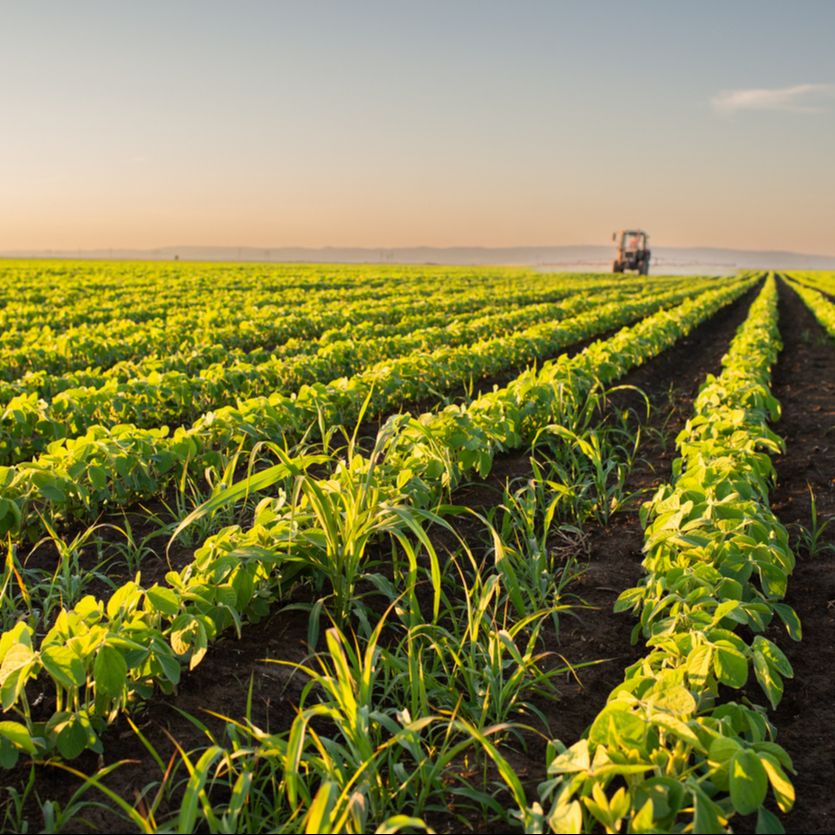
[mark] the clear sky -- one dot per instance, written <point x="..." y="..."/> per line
<point x="397" y="124"/>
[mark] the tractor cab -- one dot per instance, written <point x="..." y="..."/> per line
<point x="633" y="252"/>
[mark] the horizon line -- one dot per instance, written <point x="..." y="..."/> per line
<point x="48" y="251"/>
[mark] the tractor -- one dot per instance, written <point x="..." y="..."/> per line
<point x="633" y="253"/>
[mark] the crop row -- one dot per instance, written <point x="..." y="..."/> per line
<point x="233" y="321"/>
<point x="191" y="337"/>
<point x="666" y="753"/>
<point x="355" y="321"/>
<point x="60" y="296"/>
<point x="28" y="424"/>
<point x="158" y="298"/>
<point x="100" y="656"/>
<point x="821" y="306"/>
<point x="361" y="321"/>
<point x="48" y="292"/>
<point x="111" y="467"/>
<point x="823" y="282"/>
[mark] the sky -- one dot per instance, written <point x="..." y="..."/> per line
<point x="399" y="123"/>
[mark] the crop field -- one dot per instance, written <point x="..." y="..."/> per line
<point x="324" y="548"/>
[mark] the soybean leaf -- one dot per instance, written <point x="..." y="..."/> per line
<point x="748" y="782"/>
<point x="109" y="672"/>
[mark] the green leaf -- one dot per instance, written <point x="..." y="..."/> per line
<point x="666" y="794"/>
<point x="790" y="620"/>
<point x="643" y="820"/>
<point x="698" y="665"/>
<point x="9" y="755"/>
<point x="109" y="672"/>
<point x="723" y="610"/>
<point x="682" y="730"/>
<point x="780" y="783"/>
<point x="567" y="818"/>
<point x="163" y="599"/>
<point x="676" y="699"/>
<point x="722" y="751"/>
<point x="188" y="635"/>
<point x="615" y="725"/>
<point x="64" y="666"/>
<point x="730" y="665"/>
<point x="774" y="655"/>
<point x="18" y="736"/>
<point x="123" y="599"/>
<point x="194" y="792"/>
<point x="170" y="665"/>
<point x="320" y="814"/>
<point x="97" y="476"/>
<point x="48" y="486"/>
<point x="20" y="634"/>
<point x="485" y="462"/>
<point x="73" y="736"/>
<point x="706" y="814"/>
<point x="19" y="665"/>
<point x="748" y="782"/>
<point x="630" y="598"/>
<point x="575" y="759"/>
<point x="199" y="647"/>
<point x="768" y="823"/>
<point x="769" y="680"/>
<point x="10" y="516"/>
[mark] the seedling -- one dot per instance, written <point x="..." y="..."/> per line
<point x="811" y="538"/>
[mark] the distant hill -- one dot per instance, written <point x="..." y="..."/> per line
<point x="585" y="258"/>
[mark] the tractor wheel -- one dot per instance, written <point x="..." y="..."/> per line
<point x="645" y="268"/>
<point x="617" y="267"/>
